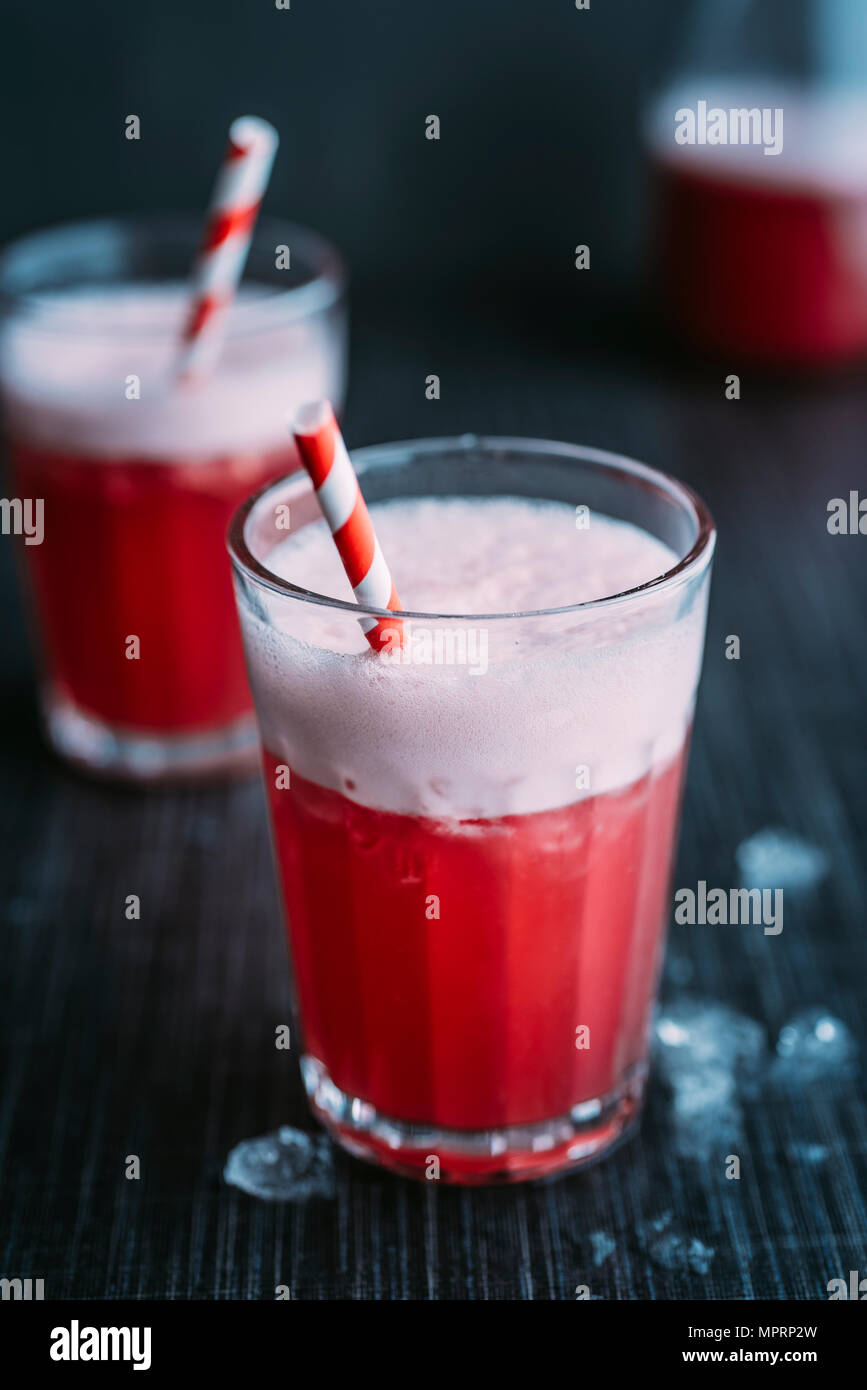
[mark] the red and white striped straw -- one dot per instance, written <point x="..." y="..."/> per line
<point x="222" y="254"/>
<point x="324" y="455"/>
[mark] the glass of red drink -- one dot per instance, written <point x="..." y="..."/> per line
<point x="475" y="838"/>
<point x="759" y="253"/>
<point x="142" y="671"/>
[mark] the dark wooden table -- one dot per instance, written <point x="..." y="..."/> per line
<point x="155" y="1037"/>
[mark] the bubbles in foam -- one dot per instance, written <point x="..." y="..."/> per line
<point x="64" y="368"/>
<point x="454" y="555"/>
<point x="462" y="738"/>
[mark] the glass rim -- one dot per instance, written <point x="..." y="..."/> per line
<point x="325" y="287"/>
<point x="694" y="562"/>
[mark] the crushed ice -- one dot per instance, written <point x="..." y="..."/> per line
<point x="601" y="1245"/>
<point x="814" y="1046"/>
<point x="288" y="1166"/>
<point x="713" y="1058"/>
<point x="710" y="1056"/>
<point x="669" y="1247"/>
<point x="778" y="858"/>
<point x="810" y="1154"/>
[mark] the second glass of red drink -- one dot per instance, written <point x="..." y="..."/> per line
<point x="142" y="672"/>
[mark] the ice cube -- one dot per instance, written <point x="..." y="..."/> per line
<point x="288" y="1166"/>
<point x="710" y="1056"/>
<point x="602" y="1246"/>
<point x="669" y="1247"/>
<point x="810" y="1154"/>
<point x="778" y="858"/>
<point x="814" y="1046"/>
<point x="692" y="1034"/>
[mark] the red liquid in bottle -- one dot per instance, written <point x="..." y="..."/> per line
<point x="762" y="256"/>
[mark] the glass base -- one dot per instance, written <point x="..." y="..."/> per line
<point x="231" y="751"/>
<point x="515" y="1153"/>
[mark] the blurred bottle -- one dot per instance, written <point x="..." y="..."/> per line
<point x="758" y="145"/>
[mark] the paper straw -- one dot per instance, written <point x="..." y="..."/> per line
<point x="325" y="457"/>
<point x="228" y="232"/>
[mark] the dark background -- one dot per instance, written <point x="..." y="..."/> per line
<point x="538" y="105"/>
<point x="156" y="1038"/>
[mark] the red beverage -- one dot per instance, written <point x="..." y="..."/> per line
<point x="475" y="834"/>
<point x="468" y="1021"/>
<point x="141" y="659"/>
<point x="140" y="541"/>
<point x="762" y="255"/>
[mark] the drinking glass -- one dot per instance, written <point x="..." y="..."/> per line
<point x="475" y="854"/>
<point x="137" y="474"/>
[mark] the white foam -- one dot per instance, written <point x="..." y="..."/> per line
<point x="611" y="690"/>
<point x="64" y="370"/>
<point x="824" y="134"/>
